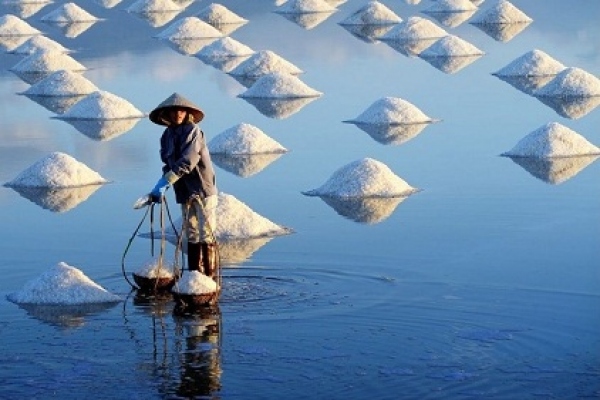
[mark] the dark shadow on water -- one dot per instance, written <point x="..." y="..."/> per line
<point x="245" y="165"/>
<point x="57" y="200"/>
<point x="368" y="33"/>
<point x="450" y="64"/>
<point x="307" y="21"/>
<point x="55" y="104"/>
<point x="554" y="170"/>
<point x="65" y="316"/>
<point x="526" y="84"/>
<point x="279" y="108"/>
<point x="102" y="129"/>
<point x="571" y="107"/>
<point x="451" y="19"/>
<point x="502" y="32"/>
<point x="364" y="210"/>
<point x="391" y="134"/>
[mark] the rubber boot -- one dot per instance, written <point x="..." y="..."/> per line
<point x="194" y="256"/>
<point x="210" y="258"/>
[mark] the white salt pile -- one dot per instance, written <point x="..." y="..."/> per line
<point x="372" y="13"/>
<point x="363" y="178"/>
<point x="11" y="25"/>
<point x="552" y="140"/>
<point x="217" y="14"/>
<point x="62" y="83"/>
<point x="279" y="86"/>
<point x="414" y="28"/>
<point x="244" y="139"/>
<point x="102" y="105"/>
<point x="39" y="42"/>
<point x="225" y="47"/>
<point x="533" y="63"/>
<point x="571" y="82"/>
<point x="503" y="12"/>
<point x="57" y="170"/>
<point x="264" y="62"/>
<point x="195" y="282"/>
<point x="189" y="28"/>
<point x="154" y="6"/>
<point x="47" y="61"/>
<point x="235" y="220"/>
<point x="65" y="285"/>
<point x="451" y="46"/>
<point x="69" y="12"/>
<point x="451" y="6"/>
<point x="155" y="269"/>
<point x="392" y="111"/>
<point x="305" y="6"/>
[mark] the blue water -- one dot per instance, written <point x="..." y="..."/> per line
<point x="484" y="284"/>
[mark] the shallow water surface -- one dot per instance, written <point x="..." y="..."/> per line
<point x="484" y="284"/>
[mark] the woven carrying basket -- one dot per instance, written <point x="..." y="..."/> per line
<point x="154" y="284"/>
<point x="195" y="300"/>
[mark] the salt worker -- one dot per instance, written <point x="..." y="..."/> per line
<point x="188" y="168"/>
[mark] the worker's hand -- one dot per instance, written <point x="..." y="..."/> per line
<point x="159" y="190"/>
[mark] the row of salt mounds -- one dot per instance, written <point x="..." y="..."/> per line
<point x="392" y="111"/>
<point x="154" y="6"/>
<point x="57" y="170"/>
<point x="11" y="25"/>
<point x="372" y="13"/>
<point x="279" y="86"/>
<point x="69" y="12"/>
<point x="571" y="82"/>
<point x="64" y="285"/>
<point x="220" y="16"/>
<point x="533" y="63"/>
<point x="451" y="6"/>
<point x="552" y="140"/>
<point x="38" y="43"/>
<point x="305" y="6"/>
<point x="62" y="83"/>
<point x="102" y="105"/>
<point x="363" y="178"/>
<point x="189" y="28"/>
<point x="503" y="12"/>
<point x="413" y="29"/>
<point x="244" y="139"/>
<point x="264" y="62"/>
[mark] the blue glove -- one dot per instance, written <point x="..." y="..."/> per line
<point x="159" y="190"/>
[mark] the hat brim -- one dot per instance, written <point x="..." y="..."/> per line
<point x="158" y="114"/>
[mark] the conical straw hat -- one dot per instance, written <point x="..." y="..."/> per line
<point x="175" y="100"/>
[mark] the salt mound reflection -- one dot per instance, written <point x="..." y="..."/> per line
<point x="58" y="200"/>
<point x="392" y="134"/>
<point x="103" y="130"/>
<point x="232" y="252"/>
<point x="554" y="170"/>
<point x="279" y="108"/>
<point x="36" y="43"/>
<point x="502" y="32"/>
<point x="66" y="316"/>
<point x="451" y="19"/>
<point x="55" y="104"/>
<point x="307" y="21"/>
<point x="364" y="210"/>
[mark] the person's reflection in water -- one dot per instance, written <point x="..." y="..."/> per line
<point x="201" y="358"/>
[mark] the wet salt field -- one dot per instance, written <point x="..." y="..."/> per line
<point x="483" y="283"/>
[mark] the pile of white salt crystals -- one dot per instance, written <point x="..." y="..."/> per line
<point x="391" y="111"/>
<point x="62" y="285"/>
<point x="195" y="283"/>
<point x="68" y="13"/>
<point x="156" y="269"/>
<point x="279" y="86"/>
<point x="552" y="140"/>
<point x="62" y="83"/>
<point x="102" y="105"/>
<point x="57" y="170"/>
<point x="244" y="139"/>
<point x="372" y="13"/>
<point x="363" y="178"/>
